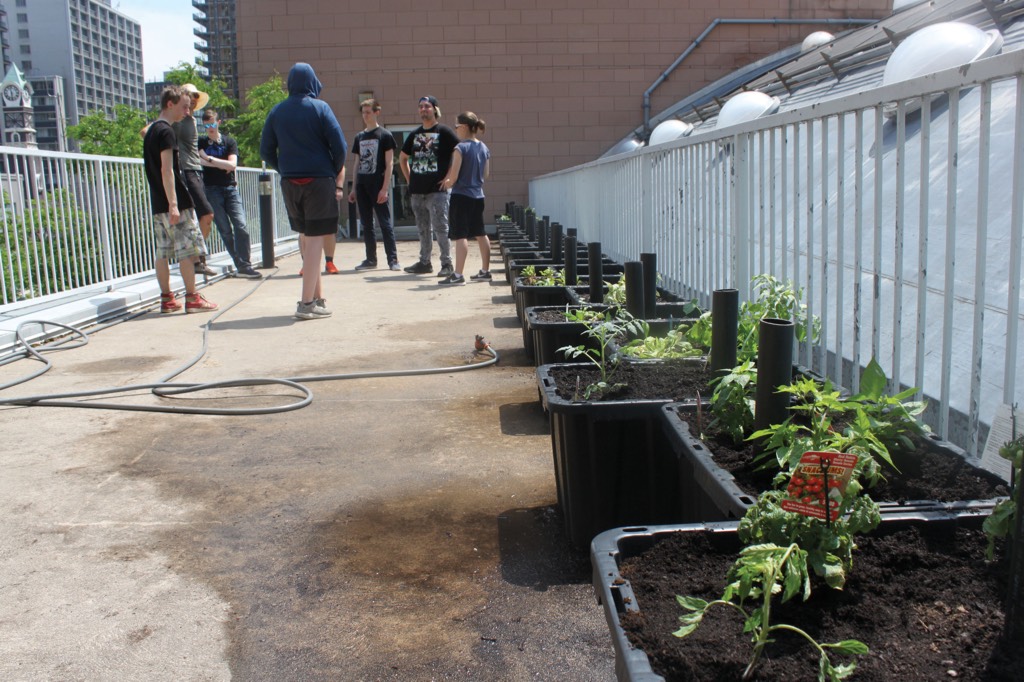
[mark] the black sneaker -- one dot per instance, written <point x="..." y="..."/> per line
<point x="367" y="265"/>
<point x="453" y="280"/>
<point x="420" y="268"/>
<point x="249" y="273"/>
<point x="482" y="276"/>
<point x="446" y="271"/>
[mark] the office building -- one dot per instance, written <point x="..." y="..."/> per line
<point x="95" y="49"/>
<point x="216" y="31"/>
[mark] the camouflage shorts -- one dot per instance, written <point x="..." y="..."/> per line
<point x="180" y="240"/>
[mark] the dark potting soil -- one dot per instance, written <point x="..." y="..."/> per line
<point x="922" y="599"/>
<point x="924" y="473"/>
<point x="555" y="315"/>
<point x="675" y="380"/>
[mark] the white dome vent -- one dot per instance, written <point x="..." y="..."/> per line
<point x="746" y="106"/>
<point x="940" y="46"/>
<point x="816" y="39"/>
<point x="669" y="130"/>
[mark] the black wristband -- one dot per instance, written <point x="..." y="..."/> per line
<point x="339" y="187"/>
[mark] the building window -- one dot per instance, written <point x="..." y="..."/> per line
<point x="22" y="18"/>
<point x="23" y="33"/>
<point x="25" y="49"/>
<point x="26" y="65"/>
<point x="20" y="3"/>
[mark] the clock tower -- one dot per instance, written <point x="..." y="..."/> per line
<point x="16" y="100"/>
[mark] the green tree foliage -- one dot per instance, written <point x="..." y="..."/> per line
<point x="119" y="136"/>
<point x="188" y="73"/>
<point x="248" y="126"/>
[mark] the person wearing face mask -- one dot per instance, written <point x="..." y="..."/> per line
<point x="218" y="154"/>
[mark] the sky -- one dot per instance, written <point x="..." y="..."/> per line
<point x="167" y="37"/>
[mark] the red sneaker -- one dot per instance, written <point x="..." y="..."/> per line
<point x="169" y="304"/>
<point x="331" y="268"/>
<point x="195" y="303"/>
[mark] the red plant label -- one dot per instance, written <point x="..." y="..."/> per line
<point x="819" y="483"/>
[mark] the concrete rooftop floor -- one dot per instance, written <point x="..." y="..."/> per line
<point x="399" y="528"/>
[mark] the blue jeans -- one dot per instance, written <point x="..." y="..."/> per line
<point x="229" y="216"/>
<point x="366" y="200"/>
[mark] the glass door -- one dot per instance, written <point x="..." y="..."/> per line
<point x="401" y="208"/>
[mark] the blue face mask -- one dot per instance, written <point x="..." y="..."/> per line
<point x="207" y="126"/>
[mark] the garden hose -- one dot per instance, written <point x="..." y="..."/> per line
<point x="165" y="388"/>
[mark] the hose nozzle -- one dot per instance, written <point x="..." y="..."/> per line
<point x="481" y="344"/>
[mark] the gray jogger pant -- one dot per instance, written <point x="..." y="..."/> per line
<point x="431" y="211"/>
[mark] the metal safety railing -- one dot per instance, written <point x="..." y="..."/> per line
<point x="75" y="221"/>
<point x="897" y="211"/>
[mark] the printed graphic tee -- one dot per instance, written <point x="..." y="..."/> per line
<point x="430" y="155"/>
<point x="369" y="147"/>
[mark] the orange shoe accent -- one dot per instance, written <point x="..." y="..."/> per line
<point x="331" y="268"/>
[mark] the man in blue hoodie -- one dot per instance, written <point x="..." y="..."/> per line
<point x="304" y="142"/>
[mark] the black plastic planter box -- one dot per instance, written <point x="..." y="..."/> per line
<point x="608" y="469"/>
<point x="549" y="336"/>
<point x="715" y="494"/>
<point x="615" y="593"/>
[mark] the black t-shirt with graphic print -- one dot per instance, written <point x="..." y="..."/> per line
<point x="430" y="155"/>
<point x="369" y="148"/>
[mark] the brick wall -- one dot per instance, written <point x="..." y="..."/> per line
<point x="557" y="81"/>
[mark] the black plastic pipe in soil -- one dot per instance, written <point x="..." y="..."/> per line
<point x="725" y="311"/>
<point x="570" y="232"/>
<point x="557" y="244"/>
<point x="635" y="288"/>
<point x="543" y="232"/>
<point x="774" y="369"/>
<point x="595" y="270"/>
<point x="571" y="262"/>
<point x="650" y="261"/>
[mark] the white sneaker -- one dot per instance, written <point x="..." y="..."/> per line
<point x="313" y="310"/>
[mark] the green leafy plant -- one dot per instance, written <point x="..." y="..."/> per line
<point x="732" y="401"/>
<point x="872" y="423"/>
<point x="603" y="333"/>
<point x="616" y="294"/>
<point x="1000" y="522"/>
<point x="829" y="546"/>
<point x="772" y="298"/>
<point x="545" y="278"/>
<point x="760" y="572"/>
<point x="583" y="314"/>
<point x="672" y="345"/>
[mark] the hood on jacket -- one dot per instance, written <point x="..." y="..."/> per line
<point x="302" y="81"/>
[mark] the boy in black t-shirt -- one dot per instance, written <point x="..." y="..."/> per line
<point x="176" y="229"/>
<point x="374" y="148"/>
